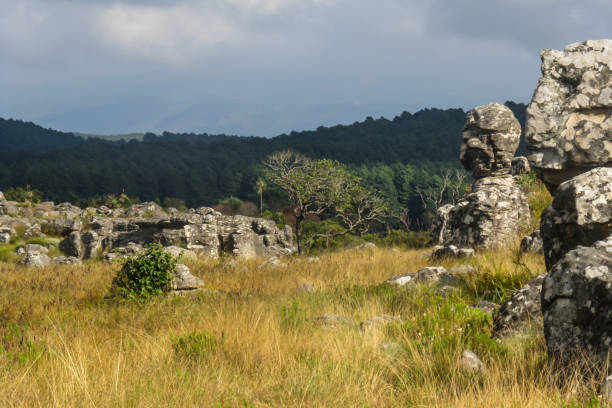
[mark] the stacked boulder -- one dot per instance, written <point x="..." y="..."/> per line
<point x="496" y="211"/>
<point x="569" y="143"/>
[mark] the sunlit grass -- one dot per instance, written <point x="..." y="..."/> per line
<point x="251" y="341"/>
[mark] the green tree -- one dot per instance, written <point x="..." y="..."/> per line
<point x="323" y="187"/>
<point x="260" y="187"/>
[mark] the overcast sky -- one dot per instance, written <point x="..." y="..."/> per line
<point x="264" y="67"/>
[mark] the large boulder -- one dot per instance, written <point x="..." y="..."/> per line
<point x="521" y="312"/>
<point x="72" y="245"/>
<point x="492" y="216"/>
<point x="490" y="137"/>
<point x="569" y="119"/>
<point x="35" y="259"/>
<point x="581" y="214"/>
<point x="577" y="304"/>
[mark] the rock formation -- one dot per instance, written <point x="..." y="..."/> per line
<point x="496" y="211"/>
<point x="569" y="119"/>
<point x="521" y="312"/>
<point x="569" y="141"/>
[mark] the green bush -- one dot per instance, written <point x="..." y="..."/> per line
<point x="145" y="275"/>
<point x="23" y="195"/>
<point x="195" y="345"/>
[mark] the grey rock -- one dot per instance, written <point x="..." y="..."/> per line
<point x="332" y="320"/>
<point x="451" y="251"/>
<point x="183" y="282"/>
<point x="471" y="362"/>
<point x="490" y="137"/>
<point x="272" y="262"/>
<point x="576" y="299"/>
<point x="35" y="260"/>
<point x="532" y="243"/>
<point x="486" y="306"/>
<point x="569" y="119"/>
<point x="61" y="226"/>
<point x="439" y="229"/>
<point x="66" y="260"/>
<point x="71" y="245"/>
<point x="521" y="312"/>
<point x="33" y="231"/>
<point x="36" y="248"/>
<point x="91" y="244"/>
<point x="491" y="217"/>
<point x="5" y="237"/>
<point x="431" y="275"/>
<point x="581" y="214"/>
<point x="182" y="252"/>
<point x="9" y="208"/>
<point x="520" y="165"/>
<point x="377" y="321"/>
<point x="401" y="280"/>
<point x="367" y="246"/>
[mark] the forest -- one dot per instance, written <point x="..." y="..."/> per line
<point x="399" y="157"/>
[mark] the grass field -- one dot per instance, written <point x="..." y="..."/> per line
<point x="250" y="341"/>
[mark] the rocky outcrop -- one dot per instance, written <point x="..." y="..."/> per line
<point x="577" y="299"/>
<point x="490" y="137"/>
<point x="496" y="211"/>
<point x="521" y="312"/>
<point x="581" y="214"/>
<point x="520" y="165"/>
<point x="569" y="119"/>
<point x="35" y="259"/>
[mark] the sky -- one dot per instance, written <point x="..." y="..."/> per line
<point x="266" y="67"/>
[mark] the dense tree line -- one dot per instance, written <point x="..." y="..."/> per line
<point x="395" y="156"/>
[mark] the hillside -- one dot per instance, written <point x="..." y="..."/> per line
<point x="394" y="155"/>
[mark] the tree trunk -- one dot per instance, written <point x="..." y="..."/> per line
<point x="298" y="233"/>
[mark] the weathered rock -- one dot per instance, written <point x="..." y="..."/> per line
<point x="332" y="320"/>
<point x="182" y="252"/>
<point x="471" y="362"/>
<point x="36" y="248"/>
<point x="368" y="246"/>
<point x="532" y="243"/>
<point x="91" y="244"/>
<point x="490" y="136"/>
<point x="61" y="226"/>
<point x="66" y="260"/>
<point x="486" y="306"/>
<point x="35" y="260"/>
<point x="569" y="119"/>
<point x="33" y="231"/>
<point x="577" y="304"/>
<point x="431" y="275"/>
<point x="451" y="251"/>
<point x="377" y="321"/>
<point x="71" y="245"/>
<point x="521" y="312"/>
<point x="5" y="237"/>
<point x="439" y="230"/>
<point x="581" y="214"/>
<point x="492" y="216"/>
<point x="9" y="208"/>
<point x="520" y="165"/>
<point x="183" y="282"/>
<point x="272" y="262"/>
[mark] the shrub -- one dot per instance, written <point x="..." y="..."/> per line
<point x="145" y="275"/>
<point x="23" y="195"/>
<point x="195" y="345"/>
<point x="173" y="202"/>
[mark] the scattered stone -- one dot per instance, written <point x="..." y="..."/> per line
<point x="272" y="262"/>
<point x="520" y="165"/>
<point x="400" y="280"/>
<point x="491" y="135"/>
<point x="368" y="245"/>
<point x="305" y="288"/>
<point x="521" y="312"/>
<point x="450" y="252"/>
<point x="486" y="306"/>
<point x="377" y="321"/>
<point x="569" y="119"/>
<point x="532" y="243"/>
<point x="66" y="260"/>
<point x="471" y="362"/>
<point x="35" y="260"/>
<point x="431" y="275"/>
<point x="36" y="248"/>
<point x="576" y="299"/>
<point x="184" y="283"/>
<point x="332" y="320"/>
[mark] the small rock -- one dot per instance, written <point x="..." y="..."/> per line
<point x="5" y="237"/>
<point x="332" y="320"/>
<point x="36" y="248"/>
<point x="305" y="288"/>
<point x="521" y="311"/>
<point x="66" y="260"/>
<point x="176" y="251"/>
<point x="519" y="166"/>
<point x="377" y="321"/>
<point x="367" y="245"/>
<point x="451" y="251"/>
<point x="35" y="260"/>
<point x="400" y="280"/>
<point x="272" y="262"/>
<point x="533" y="243"/>
<point x="485" y="306"/>
<point x="184" y="282"/>
<point x="471" y="362"/>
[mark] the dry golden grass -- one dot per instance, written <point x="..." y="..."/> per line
<point x="63" y="344"/>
